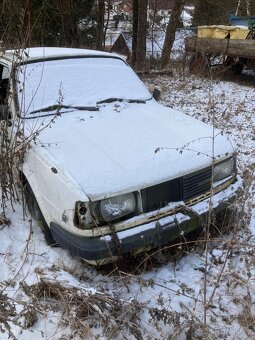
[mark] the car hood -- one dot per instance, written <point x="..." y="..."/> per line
<point x="125" y="147"/>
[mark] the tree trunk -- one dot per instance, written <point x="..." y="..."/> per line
<point x="26" y="25"/>
<point x="106" y="23"/>
<point x="170" y="31"/>
<point x="141" y="34"/>
<point x="135" y="31"/>
<point x="248" y="6"/>
<point x="69" y="25"/>
<point x="100" y="24"/>
<point x="238" y="6"/>
<point x="153" y="19"/>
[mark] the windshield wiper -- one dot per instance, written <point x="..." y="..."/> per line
<point x="112" y="99"/>
<point x="58" y="107"/>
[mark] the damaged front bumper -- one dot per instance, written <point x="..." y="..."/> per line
<point x="102" y="249"/>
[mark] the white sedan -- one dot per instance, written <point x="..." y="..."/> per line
<point x="108" y="169"/>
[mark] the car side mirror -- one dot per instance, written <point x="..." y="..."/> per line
<point x="156" y="94"/>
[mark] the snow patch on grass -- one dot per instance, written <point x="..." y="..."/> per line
<point x="47" y="293"/>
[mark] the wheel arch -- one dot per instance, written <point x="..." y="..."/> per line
<point x="24" y="178"/>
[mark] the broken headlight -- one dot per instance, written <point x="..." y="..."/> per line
<point x="81" y="215"/>
<point x="91" y="214"/>
<point x="114" y="208"/>
<point x="224" y="169"/>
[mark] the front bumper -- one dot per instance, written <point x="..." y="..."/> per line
<point x="106" y="248"/>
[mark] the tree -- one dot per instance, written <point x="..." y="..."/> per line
<point x="68" y="16"/>
<point x="135" y="30"/>
<point x="245" y="8"/>
<point x="141" y="34"/>
<point x="170" y="31"/>
<point x="26" y="22"/>
<point x="100" y="24"/>
<point x="215" y="12"/>
<point x="207" y="12"/>
<point x="48" y="23"/>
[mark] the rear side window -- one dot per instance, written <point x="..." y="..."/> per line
<point x="4" y="83"/>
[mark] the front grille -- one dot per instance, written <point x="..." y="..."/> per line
<point x="180" y="189"/>
<point x="158" y="196"/>
<point x="196" y="183"/>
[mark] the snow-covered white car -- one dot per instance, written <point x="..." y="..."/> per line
<point x="109" y="170"/>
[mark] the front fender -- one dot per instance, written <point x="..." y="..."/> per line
<point x="55" y="191"/>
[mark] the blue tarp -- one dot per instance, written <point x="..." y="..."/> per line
<point x="242" y="21"/>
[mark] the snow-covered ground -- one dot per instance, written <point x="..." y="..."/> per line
<point x="45" y="293"/>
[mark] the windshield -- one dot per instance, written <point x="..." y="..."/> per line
<point x="81" y="82"/>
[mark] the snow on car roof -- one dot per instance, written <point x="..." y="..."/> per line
<point x="39" y="53"/>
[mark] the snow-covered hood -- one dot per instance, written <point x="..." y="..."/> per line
<point x="126" y="146"/>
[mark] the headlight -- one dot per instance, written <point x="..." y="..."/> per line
<point x="114" y="208"/>
<point x="224" y="170"/>
<point x="81" y="217"/>
<point x="87" y="215"/>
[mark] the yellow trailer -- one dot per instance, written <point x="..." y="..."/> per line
<point x="222" y="32"/>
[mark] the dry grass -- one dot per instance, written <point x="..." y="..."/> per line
<point x="82" y="309"/>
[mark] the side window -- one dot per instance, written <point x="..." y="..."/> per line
<point x="4" y="85"/>
<point x="4" y="82"/>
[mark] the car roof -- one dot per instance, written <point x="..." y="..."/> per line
<point x="35" y="54"/>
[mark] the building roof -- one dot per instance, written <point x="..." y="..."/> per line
<point x="154" y="44"/>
